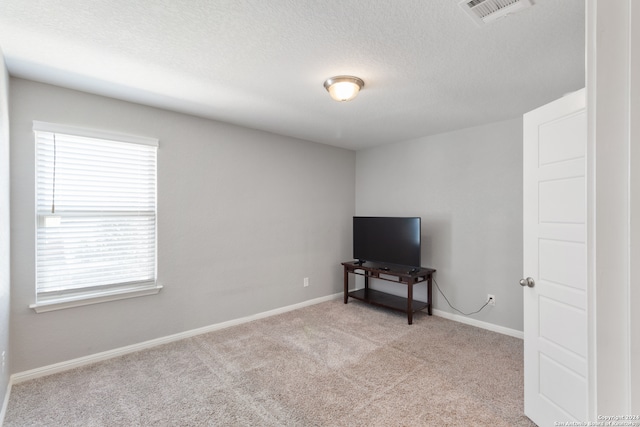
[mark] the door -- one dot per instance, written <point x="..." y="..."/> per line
<point x="555" y="261"/>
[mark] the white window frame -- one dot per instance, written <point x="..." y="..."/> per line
<point x="48" y="296"/>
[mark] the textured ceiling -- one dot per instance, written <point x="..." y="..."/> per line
<point x="427" y="67"/>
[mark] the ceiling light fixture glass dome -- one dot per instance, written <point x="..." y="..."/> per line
<point x="343" y="88"/>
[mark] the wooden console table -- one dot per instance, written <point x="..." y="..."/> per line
<point x="383" y="299"/>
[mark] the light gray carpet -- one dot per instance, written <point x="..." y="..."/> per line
<point x="326" y="365"/>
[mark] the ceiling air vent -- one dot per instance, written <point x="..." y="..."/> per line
<point x="486" y="11"/>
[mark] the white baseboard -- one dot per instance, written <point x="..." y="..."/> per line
<point x="473" y="322"/>
<point x="98" y="357"/>
<point x="477" y="323"/>
<point x="5" y="404"/>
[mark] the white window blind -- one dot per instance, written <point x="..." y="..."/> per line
<point x="96" y="208"/>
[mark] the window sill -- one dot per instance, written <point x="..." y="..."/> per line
<point x="61" y="303"/>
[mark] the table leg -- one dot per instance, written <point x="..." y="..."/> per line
<point x="346" y="285"/>
<point x="410" y="301"/>
<point x="429" y="300"/>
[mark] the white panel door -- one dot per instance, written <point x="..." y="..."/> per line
<point x="555" y="258"/>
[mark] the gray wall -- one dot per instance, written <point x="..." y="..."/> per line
<point x="4" y="229"/>
<point x="243" y="217"/>
<point x="467" y="187"/>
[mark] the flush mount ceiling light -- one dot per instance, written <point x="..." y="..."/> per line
<point x="343" y="88"/>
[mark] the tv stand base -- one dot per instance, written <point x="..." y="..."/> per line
<point x="383" y="299"/>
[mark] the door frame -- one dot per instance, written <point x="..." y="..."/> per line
<point x="612" y="77"/>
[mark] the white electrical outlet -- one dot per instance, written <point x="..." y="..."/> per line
<point x="491" y="299"/>
<point x="306" y="282"/>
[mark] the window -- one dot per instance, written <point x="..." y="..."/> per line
<point x="96" y="216"/>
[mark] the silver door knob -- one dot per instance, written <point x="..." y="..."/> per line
<point x="527" y="282"/>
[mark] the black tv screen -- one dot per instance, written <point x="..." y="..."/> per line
<point x="387" y="240"/>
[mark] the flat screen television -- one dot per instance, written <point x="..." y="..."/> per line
<point x="387" y="240"/>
